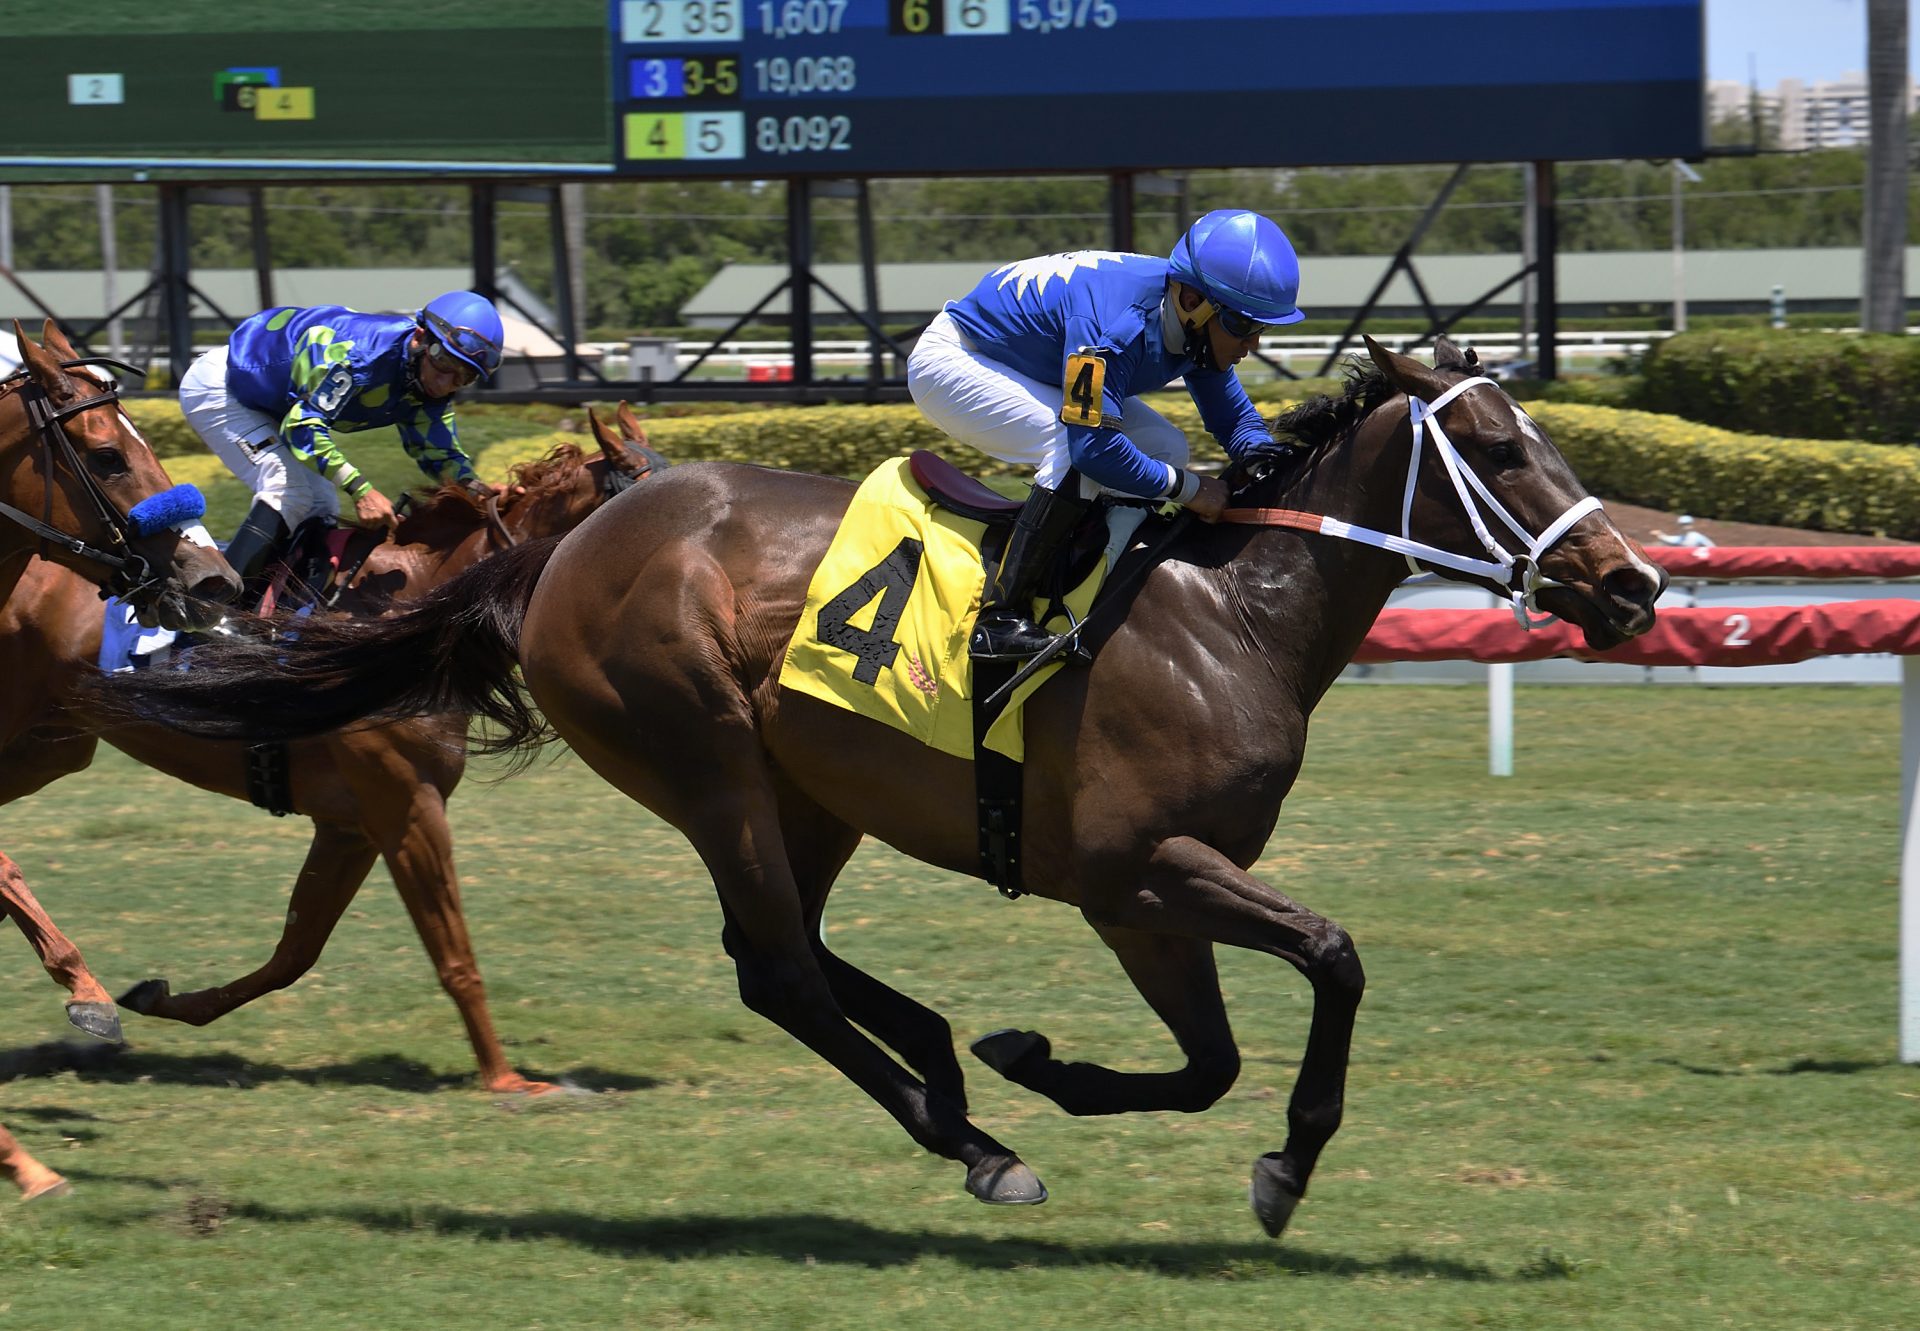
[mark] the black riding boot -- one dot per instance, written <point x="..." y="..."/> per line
<point x="262" y="538"/>
<point x="1005" y="630"/>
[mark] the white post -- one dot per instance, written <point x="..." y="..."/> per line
<point x="1500" y="718"/>
<point x="1909" y="861"/>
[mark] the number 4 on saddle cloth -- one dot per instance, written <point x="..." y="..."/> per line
<point x="891" y="606"/>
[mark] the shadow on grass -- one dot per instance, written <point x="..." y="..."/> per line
<point x="1832" y="1067"/>
<point x="811" y="1239"/>
<point x="122" y="1065"/>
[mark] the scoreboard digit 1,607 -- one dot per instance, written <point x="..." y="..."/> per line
<point x="852" y="87"/>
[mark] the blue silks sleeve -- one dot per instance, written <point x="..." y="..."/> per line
<point x="1111" y="459"/>
<point x="1227" y="411"/>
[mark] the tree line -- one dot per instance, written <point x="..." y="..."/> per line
<point x="651" y="245"/>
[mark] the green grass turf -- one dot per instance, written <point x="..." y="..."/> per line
<point x="1627" y="1059"/>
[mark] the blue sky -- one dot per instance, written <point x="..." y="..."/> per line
<point x="1813" y="40"/>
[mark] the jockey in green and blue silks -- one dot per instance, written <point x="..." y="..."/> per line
<point x="273" y="402"/>
<point x="1043" y="364"/>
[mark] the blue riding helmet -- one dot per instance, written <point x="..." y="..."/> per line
<point x="1244" y="265"/>
<point x="467" y="325"/>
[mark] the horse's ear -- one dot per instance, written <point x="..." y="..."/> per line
<point x="43" y="363"/>
<point x="609" y="441"/>
<point x="630" y="425"/>
<point x="56" y="341"/>
<point x="1447" y="355"/>
<point x="1405" y="373"/>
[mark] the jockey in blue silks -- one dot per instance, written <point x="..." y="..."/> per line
<point x="272" y="401"/>
<point x="1043" y="364"/>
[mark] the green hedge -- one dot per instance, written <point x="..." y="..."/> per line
<point x="1635" y="456"/>
<point x="1795" y="384"/>
<point x="1669" y="463"/>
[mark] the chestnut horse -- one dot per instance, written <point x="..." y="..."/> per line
<point x="375" y="793"/>
<point x="81" y="488"/>
<point x="652" y="638"/>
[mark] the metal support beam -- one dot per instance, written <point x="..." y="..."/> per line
<point x="563" y="284"/>
<point x="176" y="292"/>
<point x="1120" y="211"/>
<point x="262" y="246"/>
<point x="483" y="222"/>
<point x="1546" y="245"/>
<point x="870" y="282"/>
<point x="800" y="278"/>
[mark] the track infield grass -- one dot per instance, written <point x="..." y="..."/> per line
<point x="1627" y="1059"/>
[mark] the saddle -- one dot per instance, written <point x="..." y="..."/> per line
<point x="319" y="563"/>
<point x="955" y="491"/>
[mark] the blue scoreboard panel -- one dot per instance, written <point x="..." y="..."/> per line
<point x="765" y="88"/>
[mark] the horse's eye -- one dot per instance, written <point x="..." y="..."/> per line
<point x="108" y="462"/>
<point x="1505" y="455"/>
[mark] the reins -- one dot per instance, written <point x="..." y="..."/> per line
<point x="1518" y="572"/>
<point x="129" y="575"/>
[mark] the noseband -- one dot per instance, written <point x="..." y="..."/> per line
<point x="1519" y="572"/>
<point x="130" y="576"/>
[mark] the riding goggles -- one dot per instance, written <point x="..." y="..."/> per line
<point x="477" y="349"/>
<point x="463" y="372"/>
<point x="1238" y="325"/>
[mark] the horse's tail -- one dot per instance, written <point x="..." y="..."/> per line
<point x="454" y="650"/>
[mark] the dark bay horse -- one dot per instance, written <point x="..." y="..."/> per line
<point x="371" y="794"/>
<point x="81" y="488"/>
<point x="652" y="638"/>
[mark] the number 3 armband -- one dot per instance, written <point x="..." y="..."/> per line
<point x="1086" y="381"/>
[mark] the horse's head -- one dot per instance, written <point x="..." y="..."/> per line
<point x="1490" y="486"/>
<point x="555" y="494"/>
<point x="94" y="497"/>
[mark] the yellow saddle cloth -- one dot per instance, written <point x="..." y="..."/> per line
<point x="889" y="611"/>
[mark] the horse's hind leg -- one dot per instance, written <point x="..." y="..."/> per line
<point x="27" y="1174"/>
<point x="337" y="863"/>
<point x="1177" y="978"/>
<point x="420" y="857"/>
<point x="89" y="1006"/>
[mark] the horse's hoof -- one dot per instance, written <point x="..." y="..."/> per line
<point x="1275" y="1192"/>
<point x="1005" y="1049"/>
<point x="146" y="996"/>
<point x="1006" y="1182"/>
<point x="59" y="1187"/>
<point x="96" y="1019"/>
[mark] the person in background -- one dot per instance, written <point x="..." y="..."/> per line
<point x="1043" y="364"/>
<point x="273" y="401"/>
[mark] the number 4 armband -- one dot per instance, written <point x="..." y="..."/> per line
<point x="1086" y="381"/>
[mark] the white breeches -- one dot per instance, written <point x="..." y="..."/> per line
<point x="248" y="442"/>
<point x="1006" y="415"/>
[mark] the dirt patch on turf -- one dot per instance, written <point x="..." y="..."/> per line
<point x="1643" y="523"/>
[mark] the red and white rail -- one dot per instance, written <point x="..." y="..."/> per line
<point x="1723" y="635"/>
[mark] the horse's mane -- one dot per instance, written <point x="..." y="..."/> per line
<point x="1320" y="420"/>
<point x="456" y="505"/>
<point x="1302" y="433"/>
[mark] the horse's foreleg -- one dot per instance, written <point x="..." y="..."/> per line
<point x="27" y="1174"/>
<point x="420" y="857"/>
<point x="921" y="1036"/>
<point x="89" y="1006"/>
<point x="1191" y="890"/>
<point x="735" y="825"/>
<point x="337" y="863"/>
<point x="818" y="846"/>
<point x="1177" y="978"/>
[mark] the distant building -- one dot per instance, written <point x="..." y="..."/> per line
<point x="1803" y="115"/>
